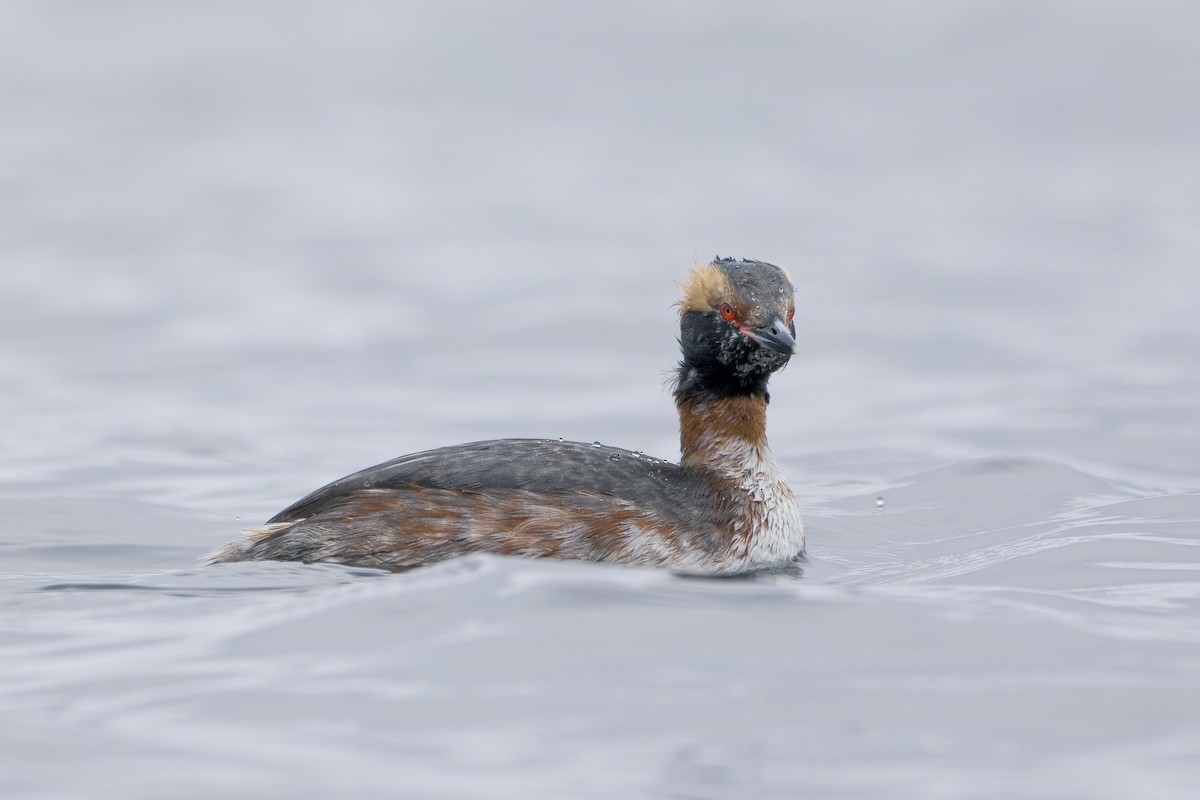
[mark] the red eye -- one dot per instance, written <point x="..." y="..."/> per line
<point x="791" y="314"/>
<point x="727" y="311"/>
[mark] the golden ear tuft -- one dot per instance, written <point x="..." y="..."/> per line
<point x="706" y="287"/>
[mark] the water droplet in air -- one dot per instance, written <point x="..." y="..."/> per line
<point x="615" y="457"/>
<point x="879" y="503"/>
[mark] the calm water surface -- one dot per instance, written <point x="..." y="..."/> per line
<point x="245" y="251"/>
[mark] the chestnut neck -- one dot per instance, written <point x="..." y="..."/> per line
<point x="718" y="434"/>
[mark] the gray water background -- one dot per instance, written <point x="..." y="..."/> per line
<point x="248" y="248"/>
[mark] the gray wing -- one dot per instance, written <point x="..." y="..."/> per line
<point x="534" y="465"/>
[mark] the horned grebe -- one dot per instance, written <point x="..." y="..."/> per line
<point x="724" y="509"/>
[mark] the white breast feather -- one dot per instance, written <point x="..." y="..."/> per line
<point x="776" y="531"/>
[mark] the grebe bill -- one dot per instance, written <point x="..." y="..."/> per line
<point x="726" y="508"/>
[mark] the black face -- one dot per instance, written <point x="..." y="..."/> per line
<point x="734" y="349"/>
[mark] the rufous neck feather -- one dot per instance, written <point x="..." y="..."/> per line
<point x="715" y="433"/>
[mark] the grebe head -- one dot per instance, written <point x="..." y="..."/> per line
<point x="735" y="327"/>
